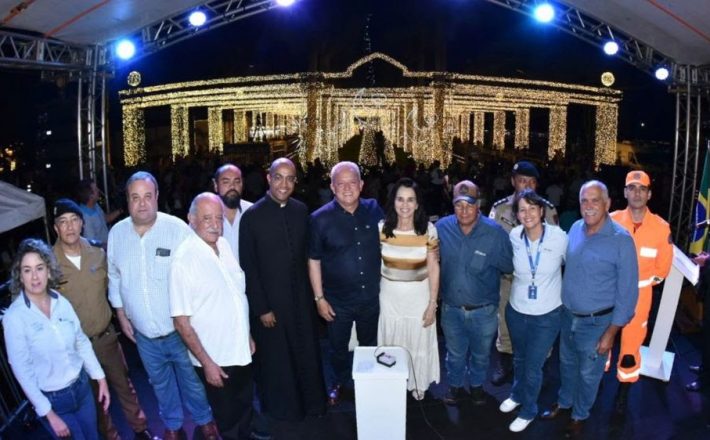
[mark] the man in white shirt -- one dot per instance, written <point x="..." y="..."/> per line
<point x="140" y="250"/>
<point x="229" y="185"/>
<point x="211" y="313"/>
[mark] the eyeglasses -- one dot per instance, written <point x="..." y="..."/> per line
<point x="278" y="178"/>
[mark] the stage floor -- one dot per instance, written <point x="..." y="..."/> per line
<point x="657" y="410"/>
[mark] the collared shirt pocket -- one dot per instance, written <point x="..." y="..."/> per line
<point x="161" y="267"/>
<point x="477" y="262"/>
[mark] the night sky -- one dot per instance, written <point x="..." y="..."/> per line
<point x="466" y="36"/>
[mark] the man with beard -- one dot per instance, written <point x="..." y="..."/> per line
<point x="274" y="235"/>
<point x="229" y="185"/>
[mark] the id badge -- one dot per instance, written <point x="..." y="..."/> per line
<point x="532" y="291"/>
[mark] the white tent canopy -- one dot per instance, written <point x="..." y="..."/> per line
<point x="18" y="207"/>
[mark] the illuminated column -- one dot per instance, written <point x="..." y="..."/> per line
<point x="439" y="148"/>
<point x="558" y="131"/>
<point x="215" y="128"/>
<point x="409" y="123"/>
<point x="310" y="135"/>
<point x="479" y="120"/>
<point x="466" y="126"/>
<point x="180" y="130"/>
<point x="240" y="126"/>
<point x="133" y="135"/>
<point x="499" y="129"/>
<point x="522" y="128"/>
<point x="605" y="135"/>
<point x="402" y="126"/>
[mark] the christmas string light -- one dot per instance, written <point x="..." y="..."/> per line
<point x="607" y="117"/>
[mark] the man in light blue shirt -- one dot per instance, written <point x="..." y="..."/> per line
<point x="140" y="251"/>
<point x="599" y="293"/>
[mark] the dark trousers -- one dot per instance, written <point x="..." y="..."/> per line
<point x="365" y="316"/>
<point x="232" y="405"/>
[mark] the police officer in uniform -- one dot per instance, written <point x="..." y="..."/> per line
<point x="524" y="176"/>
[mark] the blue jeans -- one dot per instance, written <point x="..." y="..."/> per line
<point x="581" y="367"/>
<point x="468" y="333"/>
<point x="532" y="337"/>
<point x="75" y="405"/>
<point x="172" y="375"/>
<point x="365" y="315"/>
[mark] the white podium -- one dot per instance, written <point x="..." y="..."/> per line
<point x="656" y="362"/>
<point x="380" y="394"/>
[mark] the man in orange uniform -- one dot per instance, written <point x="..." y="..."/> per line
<point x="654" y="251"/>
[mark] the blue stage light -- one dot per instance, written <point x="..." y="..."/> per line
<point x="544" y="13"/>
<point x="611" y="47"/>
<point x="662" y="73"/>
<point x="285" y="3"/>
<point x="197" y="18"/>
<point x="125" y="49"/>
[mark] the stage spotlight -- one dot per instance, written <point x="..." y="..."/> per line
<point x="285" y="3"/>
<point x="544" y="13"/>
<point x="197" y="18"/>
<point x="125" y="49"/>
<point x="662" y="73"/>
<point x="611" y="47"/>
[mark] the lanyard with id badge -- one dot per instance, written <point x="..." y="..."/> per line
<point x="532" y="288"/>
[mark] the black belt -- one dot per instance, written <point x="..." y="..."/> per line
<point x="102" y="334"/>
<point x="590" y="315"/>
<point x="469" y="308"/>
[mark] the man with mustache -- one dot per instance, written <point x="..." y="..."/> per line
<point x="599" y="293"/>
<point x="228" y="184"/>
<point x="211" y="313"/>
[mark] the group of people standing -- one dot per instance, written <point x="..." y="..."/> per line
<point x="227" y="302"/>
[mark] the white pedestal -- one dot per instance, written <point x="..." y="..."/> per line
<point x="380" y="394"/>
<point x="656" y="362"/>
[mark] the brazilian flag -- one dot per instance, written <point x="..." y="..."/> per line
<point x="700" y="233"/>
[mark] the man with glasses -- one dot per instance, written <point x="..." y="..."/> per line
<point x="273" y="255"/>
<point x="475" y="252"/>
<point x="654" y="250"/>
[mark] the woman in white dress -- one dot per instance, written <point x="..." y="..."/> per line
<point x="410" y="284"/>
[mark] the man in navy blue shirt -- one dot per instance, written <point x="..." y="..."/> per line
<point x="344" y="268"/>
<point x="599" y="294"/>
<point x="475" y="251"/>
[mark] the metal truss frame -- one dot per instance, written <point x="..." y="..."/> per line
<point x="35" y="52"/>
<point x="635" y="52"/>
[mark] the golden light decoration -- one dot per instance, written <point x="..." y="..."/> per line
<point x="421" y="117"/>
<point x="133" y="135"/>
<point x="607" y="117"/>
<point x="180" y="130"/>
<point x="134" y="79"/>
<point x="608" y="79"/>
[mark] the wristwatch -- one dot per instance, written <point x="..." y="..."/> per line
<point x="318" y="298"/>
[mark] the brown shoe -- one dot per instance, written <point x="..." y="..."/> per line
<point x="179" y="434"/>
<point x="210" y="431"/>
<point x="574" y="429"/>
<point x="553" y="412"/>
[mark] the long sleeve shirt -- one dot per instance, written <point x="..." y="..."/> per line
<point x="471" y="265"/>
<point x="138" y="272"/>
<point x="46" y="354"/>
<point x="601" y="271"/>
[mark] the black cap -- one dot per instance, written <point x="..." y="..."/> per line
<point x="63" y="206"/>
<point x="525" y="168"/>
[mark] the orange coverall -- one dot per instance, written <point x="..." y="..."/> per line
<point x="654" y="250"/>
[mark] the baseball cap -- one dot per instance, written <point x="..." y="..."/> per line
<point x="638" y="177"/>
<point x="526" y="168"/>
<point x="465" y="190"/>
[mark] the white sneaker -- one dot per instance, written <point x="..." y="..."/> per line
<point x="508" y="405"/>
<point x="519" y="424"/>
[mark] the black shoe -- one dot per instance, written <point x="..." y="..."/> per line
<point x="257" y="435"/>
<point x="696" y="385"/>
<point x="454" y="394"/>
<point x="145" y="435"/>
<point x="478" y="396"/>
<point x="504" y="369"/>
<point x="697" y="369"/>
<point x="553" y="412"/>
<point x="574" y="429"/>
